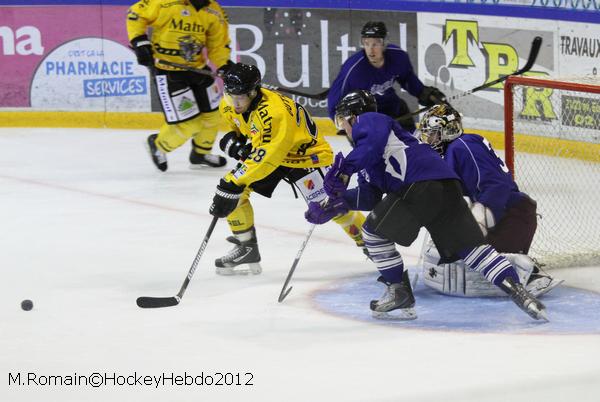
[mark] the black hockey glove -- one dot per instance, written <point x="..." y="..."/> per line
<point x="226" y="199"/>
<point x="431" y="96"/>
<point x="221" y="71"/>
<point x="235" y="146"/>
<point x="142" y="47"/>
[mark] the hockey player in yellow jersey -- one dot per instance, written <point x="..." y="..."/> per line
<point x="189" y="32"/>
<point x="275" y="139"/>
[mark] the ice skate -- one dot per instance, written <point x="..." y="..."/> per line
<point x="243" y="259"/>
<point x="397" y="302"/>
<point x="525" y="300"/>
<point x="199" y="161"/>
<point x="540" y="282"/>
<point x="159" y="158"/>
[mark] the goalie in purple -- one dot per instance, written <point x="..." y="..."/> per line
<point x="406" y="185"/>
<point x="506" y="216"/>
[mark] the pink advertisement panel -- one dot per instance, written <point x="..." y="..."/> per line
<point x="69" y="58"/>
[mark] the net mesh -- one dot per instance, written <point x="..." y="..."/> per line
<point x="557" y="162"/>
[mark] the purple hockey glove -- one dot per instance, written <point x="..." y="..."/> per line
<point x="336" y="180"/>
<point x="322" y="212"/>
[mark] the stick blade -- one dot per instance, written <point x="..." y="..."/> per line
<point x="284" y="294"/>
<point x="157" y="302"/>
<point x="533" y="54"/>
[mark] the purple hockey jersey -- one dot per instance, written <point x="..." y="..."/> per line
<point x="389" y="159"/>
<point x="485" y="178"/>
<point x="358" y="73"/>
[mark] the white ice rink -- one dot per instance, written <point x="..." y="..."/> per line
<point x="88" y="225"/>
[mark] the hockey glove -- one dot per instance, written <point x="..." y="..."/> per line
<point x="221" y="71"/>
<point x="322" y="212"/>
<point x="142" y="47"/>
<point x="226" y="199"/>
<point x="235" y="146"/>
<point x="431" y="96"/>
<point x="336" y="180"/>
<point x="484" y="217"/>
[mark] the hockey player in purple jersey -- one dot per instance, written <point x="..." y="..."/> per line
<point x="406" y="185"/>
<point x="375" y="69"/>
<point x="506" y="216"/>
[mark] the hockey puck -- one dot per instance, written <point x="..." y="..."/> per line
<point x="26" y="304"/>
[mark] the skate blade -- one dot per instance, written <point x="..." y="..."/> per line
<point x="543" y="316"/>
<point x="537" y="292"/>
<point x="245" y="269"/>
<point x="404" y="314"/>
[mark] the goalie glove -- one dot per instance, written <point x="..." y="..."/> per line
<point x="484" y="217"/>
<point x="322" y="212"/>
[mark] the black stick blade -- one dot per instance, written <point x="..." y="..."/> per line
<point x="284" y="294"/>
<point x="157" y="302"/>
<point x="533" y="54"/>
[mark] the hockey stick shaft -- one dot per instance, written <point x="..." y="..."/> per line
<point x="533" y="53"/>
<point x="284" y="290"/>
<point x="319" y="96"/>
<point x="154" y="302"/>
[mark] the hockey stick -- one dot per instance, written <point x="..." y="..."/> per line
<point x="319" y="96"/>
<point x="284" y="291"/>
<point x="155" y="302"/>
<point x="533" y="53"/>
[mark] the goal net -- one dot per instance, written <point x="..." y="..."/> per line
<point x="552" y="129"/>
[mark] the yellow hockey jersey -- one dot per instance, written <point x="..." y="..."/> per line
<point x="282" y="134"/>
<point x="180" y="33"/>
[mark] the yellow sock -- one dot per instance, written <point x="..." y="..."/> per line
<point x="351" y="223"/>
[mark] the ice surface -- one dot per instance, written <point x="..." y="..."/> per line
<point x="88" y="225"/>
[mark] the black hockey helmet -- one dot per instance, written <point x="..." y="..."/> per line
<point x="355" y="103"/>
<point x="374" y="29"/>
<point x="241" y="79"/>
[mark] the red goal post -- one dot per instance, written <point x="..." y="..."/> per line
<point x="552" y="139"/>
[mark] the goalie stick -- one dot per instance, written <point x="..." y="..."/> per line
<point x="533" y="53"/>
<point x="319" y="96"/>
<point x="284" y="290"/>
<point x="155" y="302"/>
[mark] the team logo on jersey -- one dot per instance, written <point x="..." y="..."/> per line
<point x="309" y="184"/>
<point x="253" y="130"/>
<point x="185" y="13"/>
<point x="353" y="230"/>
<point x="314" y="158"/>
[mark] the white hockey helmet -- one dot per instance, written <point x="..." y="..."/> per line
<point x="442" y="123"/>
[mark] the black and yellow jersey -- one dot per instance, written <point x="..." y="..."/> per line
<point x="282" y="134"/>
<point x="180" y="33"/>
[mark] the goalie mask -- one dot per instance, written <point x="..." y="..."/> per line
<point x="440" y="124"/>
